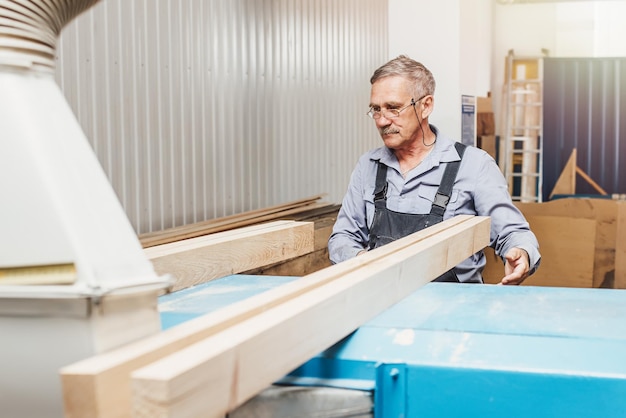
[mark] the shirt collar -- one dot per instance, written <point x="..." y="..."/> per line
<point x="444" y="152"/>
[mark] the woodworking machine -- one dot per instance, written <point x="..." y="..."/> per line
<point x="450" y="350"/>
<point x="446" y="350"/>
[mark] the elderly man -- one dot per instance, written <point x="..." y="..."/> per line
<point x="420" y="177"/>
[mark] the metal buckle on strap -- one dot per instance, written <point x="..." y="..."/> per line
<point x="441" y="200"/>
<point x="380" y="195"/>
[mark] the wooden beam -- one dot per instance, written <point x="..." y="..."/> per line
<point x="589" y="180"/>
<point x="100" y="386"/>
<point x="198" y="260"/>
<point x="224" y="370"/>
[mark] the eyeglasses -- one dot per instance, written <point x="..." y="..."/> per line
<point x="388" y="113"/>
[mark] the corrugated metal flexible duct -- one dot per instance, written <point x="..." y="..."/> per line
<point x="29" y="30"/>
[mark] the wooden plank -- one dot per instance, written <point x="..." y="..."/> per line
<point x="198" y="260"/>
<point x="307" y="263"/>
<point x="228" y="222"/>
<point x="224" y="370"/>
<point x="589" y="180"/>
<point x="557" y="236"/>
<point x="301" y="266"/>
<point x="36" y="275"/>
<point x="100" y="386"/>
<point x="620" y="246"/>
<point x="604" y="212"/>
<point x="566" y="183"/>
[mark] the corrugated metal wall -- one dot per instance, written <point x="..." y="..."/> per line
<point x="199" y="109"/>
<point x="585" y="108"/>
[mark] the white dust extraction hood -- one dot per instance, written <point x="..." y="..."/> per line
<point x="74" y="280"/>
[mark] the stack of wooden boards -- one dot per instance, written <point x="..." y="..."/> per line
<point x="287" y="211"/>
<point x="197" y="260"/>
<point x="260" y="242"/>
<point x="214" y="363"/>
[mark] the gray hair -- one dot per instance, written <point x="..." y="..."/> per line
<point x="420" y="77"/>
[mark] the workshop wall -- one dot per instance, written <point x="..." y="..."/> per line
<point x="199" y="109"/>
<point x="585" y="109"/>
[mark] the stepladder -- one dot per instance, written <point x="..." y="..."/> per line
<point x="521" y="148"/>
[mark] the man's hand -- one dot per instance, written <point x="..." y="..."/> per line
<point x="516" y="267"/>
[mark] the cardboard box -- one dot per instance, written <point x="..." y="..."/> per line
<point x="484" y="105"/>
<point x="485" y="124"/>
<point x="488" y="143"/>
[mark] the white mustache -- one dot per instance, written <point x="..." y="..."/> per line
<point x="389" y="130"/>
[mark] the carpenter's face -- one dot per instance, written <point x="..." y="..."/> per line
<point x="391" y="94"/>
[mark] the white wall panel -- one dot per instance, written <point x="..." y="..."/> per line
<point x="199" y="109"/>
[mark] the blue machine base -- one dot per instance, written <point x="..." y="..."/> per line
<point x="460" y="350"/>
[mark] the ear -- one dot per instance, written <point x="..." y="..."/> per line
<point x="426" y="106"/>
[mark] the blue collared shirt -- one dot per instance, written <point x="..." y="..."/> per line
<point x="479" y="189"/>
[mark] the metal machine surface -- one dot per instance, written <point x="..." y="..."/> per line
<point x="464" y="350"/>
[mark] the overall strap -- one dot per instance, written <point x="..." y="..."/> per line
<point x="445" y="188"/>
<point x="380" y="192"/>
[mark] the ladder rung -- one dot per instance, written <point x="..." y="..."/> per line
<point x="524" y="151"/>
<point x="526" y="104"/>
<point x="520" y="138"/>
<point x="524" y="174"/>
<point x="516" y="127"/>
<point x="526" y="80"/>
<point x="522" y="198"/>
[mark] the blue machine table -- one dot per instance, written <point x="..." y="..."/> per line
<point x="461" y="350"/>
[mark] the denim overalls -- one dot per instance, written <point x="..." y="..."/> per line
<point x="388" y="225"/>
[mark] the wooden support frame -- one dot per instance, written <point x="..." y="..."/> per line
<point x="197" y="260"/>
<point x="566" y="183"/>
<point x="303" y="317"/>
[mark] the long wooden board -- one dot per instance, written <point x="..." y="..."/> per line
<point x="227" y="368"/>
<point x="100" y="386"/>
<point x="198" y="260"/>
